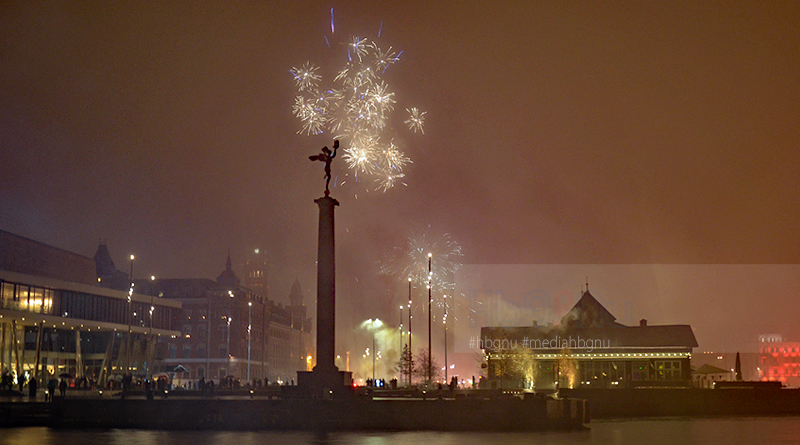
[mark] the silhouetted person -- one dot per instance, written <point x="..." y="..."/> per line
<point x="62" y="387"/>
<point x="326" y="157"/>
<point x="32" y="387"/>
<point x="51" y="389"/>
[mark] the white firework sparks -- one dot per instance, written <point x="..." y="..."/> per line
<point x="410" y="260"/>
<point x="357" y="110"/>
<point x="306" y="76"/>
<point x="415" y="120"/>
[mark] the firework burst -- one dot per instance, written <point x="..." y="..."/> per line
<point x="357" y="110"/>
<point x="410" y="260"/>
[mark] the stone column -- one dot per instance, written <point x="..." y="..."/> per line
<point x="326" y="288"/>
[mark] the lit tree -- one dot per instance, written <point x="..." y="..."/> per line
<point x="526" y="367"/>
<point x="567" y="369"/>
<point x="503" y="363"/>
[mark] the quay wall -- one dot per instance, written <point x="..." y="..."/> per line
<point x="687" y="402"/>
<point x="513" y="414"/>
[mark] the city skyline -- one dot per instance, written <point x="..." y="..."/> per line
<point x="629" y="133"/>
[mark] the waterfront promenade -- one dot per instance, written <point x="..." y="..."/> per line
<point x="269" y="410"/>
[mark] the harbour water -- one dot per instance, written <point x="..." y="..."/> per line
<point x="754" y="430"/>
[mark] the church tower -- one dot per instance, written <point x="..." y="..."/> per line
<point x="255" y="277"/>
<point x="228" y="277"/>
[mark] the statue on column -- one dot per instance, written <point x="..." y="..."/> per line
<point x="326" y="156"/>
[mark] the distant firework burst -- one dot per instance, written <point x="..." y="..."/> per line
<point x="357" y="109"/>
<point x="410" y="260"/>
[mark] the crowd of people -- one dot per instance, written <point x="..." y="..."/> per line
<point x="61" y="384"/>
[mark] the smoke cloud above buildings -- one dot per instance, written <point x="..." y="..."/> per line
<point x="653" y="134"/>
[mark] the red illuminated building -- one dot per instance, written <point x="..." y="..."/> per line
<point x="780" y="362"/>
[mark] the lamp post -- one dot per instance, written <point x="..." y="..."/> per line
<point x="402" y="366"/>
<point x="130" y="319"/>
<point x="228" y="348"/>
<point x="230" y="309"/>
<point x="430" y="277"/>
<point x="149" y="368"/>
<point x="373" y="324"/>
<point x="401" y="331"/>
<point x="249" y="328"/>
<point x="444" y="322"/>
<point x="410" y="353"/>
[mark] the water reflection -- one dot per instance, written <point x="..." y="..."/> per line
<point x="775" y="430"/>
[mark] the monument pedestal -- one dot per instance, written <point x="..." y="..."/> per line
<point x="326" y="385"/>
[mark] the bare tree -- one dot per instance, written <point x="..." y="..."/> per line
<point x="421" y="366"/>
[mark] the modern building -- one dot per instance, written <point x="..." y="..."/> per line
<point x="588" y="349"/>
<point x="64" y="313"/>
<point x="780" y="361"/>
<point x="57" y="317"/>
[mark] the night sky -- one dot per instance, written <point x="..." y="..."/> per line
<point x="661" y="132"/>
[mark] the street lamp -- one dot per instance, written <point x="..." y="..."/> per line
<point x="228" y="348"/>
<point x="401" y="331"/>
<point x="149" y="368"/>
<point x="444" y="322"/>
<point x="130" y="318"/>
<point x="373" y="324"/>
<point x="430" y="358"/>
<point x="410" y="353"/>
<point x="228" y="370"/>
<point x="249" y="328"/>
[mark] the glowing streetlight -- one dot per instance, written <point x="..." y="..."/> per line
<point x="410" y="354"/>
<point x="130" y="317"/>
<point x="249" y="328"/>
<point x="430" y="277"/>
<point x="401" y="329"/>
<point x="373" y="324"/>
<point x="228" y="348"/>
<point x="149" y="369"/>
<point x="444" y="322"/>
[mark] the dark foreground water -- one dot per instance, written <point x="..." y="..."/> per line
<point x="772" y="431"/>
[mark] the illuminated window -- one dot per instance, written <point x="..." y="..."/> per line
<point x="668" y="369"/>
